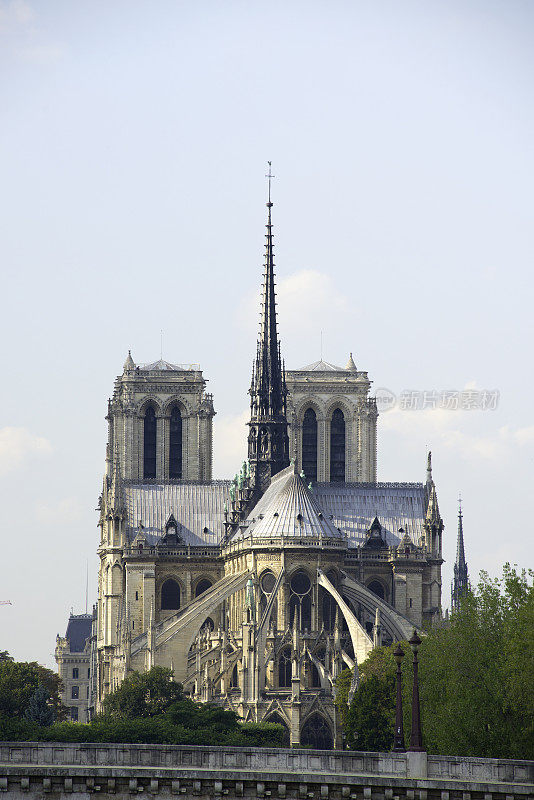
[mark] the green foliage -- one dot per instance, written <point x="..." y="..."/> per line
<point x="39" y="709"/>
<point x="18" y="683"/>
<point x="264" y="734"/>
<point x="146" y="708"/>
<point x="4" y="656"/>
<point x="371" y="716"/>
<point x="476" y="677"/>
<point x="477" y="674"/>
<point x="145" y="694"/>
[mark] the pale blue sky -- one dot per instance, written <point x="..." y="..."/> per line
<point x="133" y="143"/>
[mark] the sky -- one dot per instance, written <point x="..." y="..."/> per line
<point x="133" y="148"/>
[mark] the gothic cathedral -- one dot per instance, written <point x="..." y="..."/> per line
<point x="258" y="591"/>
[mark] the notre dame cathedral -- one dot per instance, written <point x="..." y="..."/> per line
<point x="257" y="591"/>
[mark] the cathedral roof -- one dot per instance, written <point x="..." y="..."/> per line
<point x="160" y="365"/>
<point x="197" y="507"/>
<point x="288" y="509"/>
<point x="320" y="366"/>
<point x="353" y="507"/>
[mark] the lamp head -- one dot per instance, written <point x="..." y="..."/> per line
<point x="398" y="653"/>
<point x="415" y="641"/>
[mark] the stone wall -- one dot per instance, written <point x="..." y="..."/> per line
<point x="39" y="769"/>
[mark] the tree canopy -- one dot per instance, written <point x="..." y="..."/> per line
<point x="476" y="676"/>
<point x="147" y="707"/>
<point x="143" y="694"/>
<point x="19" y="680"/>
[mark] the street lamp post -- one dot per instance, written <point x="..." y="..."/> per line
<point x="416" y="736"/>
<point x="398" y="745"/>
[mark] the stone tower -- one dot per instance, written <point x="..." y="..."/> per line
<point x="268" y="441"/>
<point x="160" y="423"/>
<point x="332" y="422"/>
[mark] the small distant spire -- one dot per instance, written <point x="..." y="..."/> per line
<point x="129" y="364"/>
<point x="351" y="366"/>
<point x="460" y="581"/>
<point x="429" y="467"/>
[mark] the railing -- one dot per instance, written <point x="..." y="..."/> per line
<point x="210" y="551"/>
<point x="294" y="762"/>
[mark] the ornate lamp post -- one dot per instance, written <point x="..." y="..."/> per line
<point x="416" y="736"/>
<point x="398" y="745"/>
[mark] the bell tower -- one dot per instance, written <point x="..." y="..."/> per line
<point x="268" y="441"/>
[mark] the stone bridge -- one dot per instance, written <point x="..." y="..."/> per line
<point x="60" y="771"/>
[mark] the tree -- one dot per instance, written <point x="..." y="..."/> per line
<point x="39" y="709"/>
<point x="144" y="694"/>
<point x="19" y="681"/>
<point x="476" y="676"/>
<point x="371" y="716"/>
<point x="4" y="656"/>
<point x="477" y="673"/>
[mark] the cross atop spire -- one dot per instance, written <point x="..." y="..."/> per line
<point x="270" y="176"/>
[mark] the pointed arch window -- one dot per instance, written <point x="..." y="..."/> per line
<point x="284" y="668"/>
<point x="316" y="734"/>
<point x="309" y="445"/>
<point x="175" y="444"/>
<point x="337" y="446"/>
<point x="149" y="443"/>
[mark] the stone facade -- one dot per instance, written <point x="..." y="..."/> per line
<point x="325" y="388"/>
<point x="256" y="592"/>
<point x="161" y="387"/>
<point x="73" y="658"/>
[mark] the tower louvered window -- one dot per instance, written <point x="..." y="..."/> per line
<point x="337" y="446"/>
<point x="309" y="445"/>
<point x="149" y="444"/>
<point x="175" y="444"/>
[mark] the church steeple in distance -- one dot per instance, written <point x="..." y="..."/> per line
<point x="460" y="581"/>
<point x="268" y="441"/>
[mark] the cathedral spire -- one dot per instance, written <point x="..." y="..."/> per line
<point x="268" y="439"/>
<point x="460" y="581"/>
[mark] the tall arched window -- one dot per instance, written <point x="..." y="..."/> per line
<point x="175" y="444"/>
<point x="316" y="734"/>
<point x="170" y="595"/>
<point x="149" y="444"/>
<point x="337" y="446"/>
<point x="309" y="445"/>
<point x="284" y="668"/>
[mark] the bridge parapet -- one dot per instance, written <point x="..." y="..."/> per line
<point x="35" y="769"/>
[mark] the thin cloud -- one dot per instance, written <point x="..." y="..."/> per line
<point x="19" y="446"/>
<point x="64" y="512"/>
<point x="230" y="443"/>
<point x="21" y="36"/>
<point x="441" y="427"/>
<point x="302" y="297"/>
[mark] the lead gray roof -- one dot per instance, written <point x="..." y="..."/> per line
<point x="288" y="509"/>
<point x="321" y="366"/>
<point x="197" y="507"/>
<point x="351" y="507"/>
